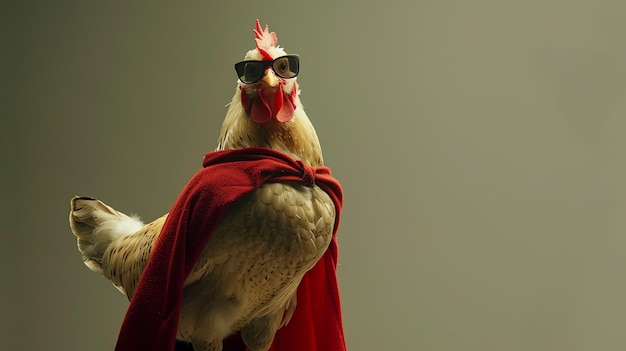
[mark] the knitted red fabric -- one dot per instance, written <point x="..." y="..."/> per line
<point x="152" y="317"/>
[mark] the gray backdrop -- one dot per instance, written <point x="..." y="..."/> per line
<point x="480" y="145"/>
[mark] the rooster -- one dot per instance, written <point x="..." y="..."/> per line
<point x="224" y="270"/>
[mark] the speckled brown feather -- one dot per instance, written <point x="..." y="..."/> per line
<point x="125" y="260"/>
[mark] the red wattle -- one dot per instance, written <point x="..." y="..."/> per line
<point x="278" y="99"/>
<point x="261" y="111"/>
<point x="286" y="112"/>
<point x="269" y="103"/>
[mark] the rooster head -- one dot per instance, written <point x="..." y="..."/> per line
<point x="267" y="79"/>
<point x="266" y="110"/>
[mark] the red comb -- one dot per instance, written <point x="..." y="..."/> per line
<point x="264" y="40"/>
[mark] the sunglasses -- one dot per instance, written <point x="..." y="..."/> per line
<point x="252" y="71"/>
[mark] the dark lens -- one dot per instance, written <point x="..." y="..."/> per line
<point x="249" y="71"/>
<point x="286" y="66"/>
<point x="281" y="67"/>
<point x="253" y="71"/>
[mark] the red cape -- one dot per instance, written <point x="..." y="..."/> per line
<point x="152" y="317"/>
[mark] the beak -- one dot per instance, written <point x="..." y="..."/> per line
<point x="270" y="78"/>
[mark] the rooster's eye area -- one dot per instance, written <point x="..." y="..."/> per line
<point x="286" y="66"/>
<point x="282" y="67"/>
<point x="251" y="72"/>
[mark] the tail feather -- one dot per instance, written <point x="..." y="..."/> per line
<point x="96" y="226"/>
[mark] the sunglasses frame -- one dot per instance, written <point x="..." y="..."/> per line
<point x="240" y="67"/>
